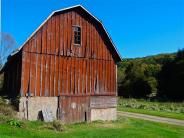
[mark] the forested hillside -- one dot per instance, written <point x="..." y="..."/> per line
<point x="160" y="77"/>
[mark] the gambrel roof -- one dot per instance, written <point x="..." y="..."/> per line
<point x="80" y="7"/>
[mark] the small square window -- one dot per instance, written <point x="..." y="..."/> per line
<point x="77" y="35"/>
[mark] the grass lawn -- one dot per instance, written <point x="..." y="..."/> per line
<point x="122" y="128"/>
<point x="162" y="109"/>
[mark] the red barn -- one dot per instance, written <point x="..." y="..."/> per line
<point x="68" y="65"/>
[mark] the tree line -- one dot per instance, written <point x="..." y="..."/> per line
<point x="160" y="77"/>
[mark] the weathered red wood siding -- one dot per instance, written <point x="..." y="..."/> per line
<point x="74" y="108"/>
<point x="52" y="65"/>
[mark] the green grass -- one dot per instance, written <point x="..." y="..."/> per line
<point x="122" y="128"/>
<point x="162" y="109"/>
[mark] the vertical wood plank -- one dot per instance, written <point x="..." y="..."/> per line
<point x="69" y="39"/>
<point x="47" y="75"/>
<point x="49" y="25"/>
<point x="38" y="76"/>
<point x="61" y="35"/>
<point x="25" y="72"/>
<point x="103" y="76"/>
<point x="51" y="75"/>
<point x="34" y="47"/>
<point x="106" y="74"/>
<point x="72" y="76"/>
<point x="44" y="39"/>
<point x="65" y="85"/>
<point x="56" y="73"/>
<point x="53" y="37"/>
<point x="65" y="34"/>
<point x="38" y="43"/>
<point x="33" y="73"/>
<point x="114" y="76"/>
<point x="90" y="61"/>
<point x="69" y="75"/>
<point x="91" y="39"/>
<point x="87" y="40"/>
<point x="85" y="77"/>
<point x="81" y="76"/>
<point x="94" y="53"/>
<point x="81" y="47"/>
<point x="78" y="76"/>
<point x="57" y="46"/>
<point x="111" y="79"/>
<point x="44" y="50"/>
<point x="61" y="91"/>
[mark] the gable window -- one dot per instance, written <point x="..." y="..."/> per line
<point x="77" y="35"/>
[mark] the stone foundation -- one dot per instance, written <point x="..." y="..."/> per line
<point x="72" y="109"/>
<point x="103" y="114"/>
<point x="34" y="105"/>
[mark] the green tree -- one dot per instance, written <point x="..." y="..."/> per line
<point x="135" y="83"/>
<point x="171" y="78"/>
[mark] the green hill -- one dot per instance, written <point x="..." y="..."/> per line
<point x="146" y="77"/>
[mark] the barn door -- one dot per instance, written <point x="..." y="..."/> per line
<point x="74" y="109"/>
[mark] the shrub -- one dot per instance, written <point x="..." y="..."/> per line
<point x="14" y="122"/>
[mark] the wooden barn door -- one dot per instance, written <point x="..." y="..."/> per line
<point x="74" y="109"/>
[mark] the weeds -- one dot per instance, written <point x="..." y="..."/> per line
<point x="58" y="125"/>
<point x="152" y="106"/>
<point x="6" y="109"/>
<point x="14" y="122"/>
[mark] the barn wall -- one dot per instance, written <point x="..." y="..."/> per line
<point x="48" y="75"/>
<point x="30" y="108"/>
<point x="12" y="76"/>
<point x="103" y="114"/>
<point x="103" y="107"/>
<point x="53" y="65"/>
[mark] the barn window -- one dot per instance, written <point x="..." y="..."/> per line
<point x="77" y="35"/>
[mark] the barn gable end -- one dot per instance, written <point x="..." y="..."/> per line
<point x="60" y="23"/>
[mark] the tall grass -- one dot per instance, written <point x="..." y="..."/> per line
<point x="6" y="109"/>
<point x="150" y="105"/>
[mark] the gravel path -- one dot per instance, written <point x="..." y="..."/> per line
<point x="152" y="118"/>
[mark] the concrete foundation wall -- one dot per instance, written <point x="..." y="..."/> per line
<point x="35" y="105"/>
<point x="103" y="114"/>
<point x="72" y="109"/>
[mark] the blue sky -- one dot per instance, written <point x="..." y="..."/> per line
<point x="138" y="27"/>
